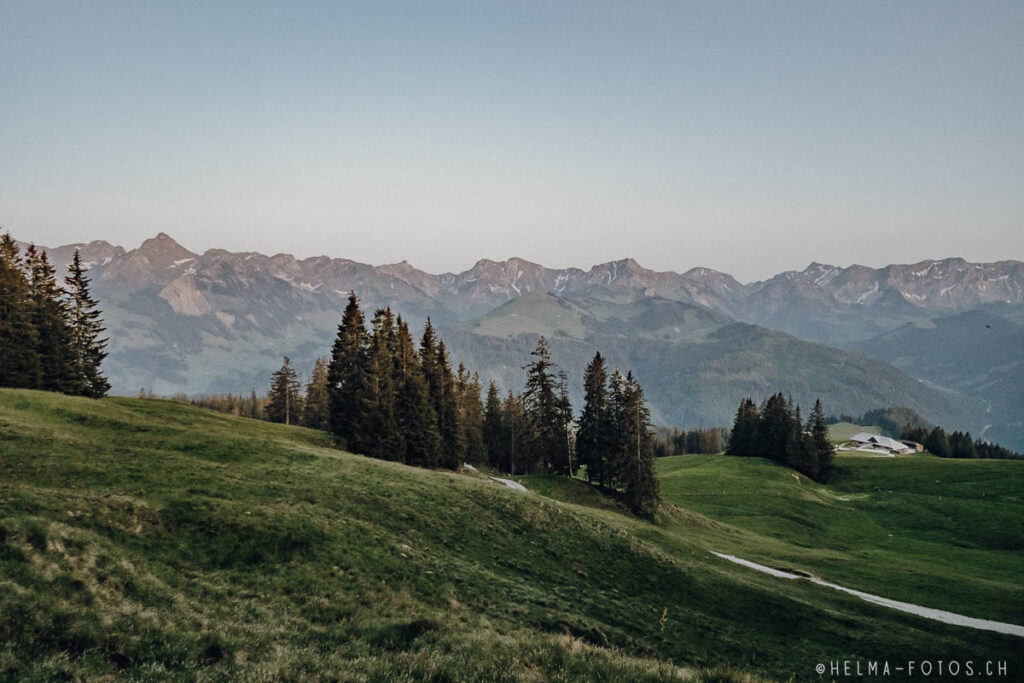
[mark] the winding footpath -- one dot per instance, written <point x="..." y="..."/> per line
<point x="515" y="485"/>
<point x="926" y="612"/>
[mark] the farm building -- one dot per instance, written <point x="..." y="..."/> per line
<point x="878" y="444"/>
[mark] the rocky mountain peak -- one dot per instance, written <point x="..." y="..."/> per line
<point x="163" y="248"/>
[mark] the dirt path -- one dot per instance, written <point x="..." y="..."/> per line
<point x="511" y="484"/>
<point x="926" y="612"/>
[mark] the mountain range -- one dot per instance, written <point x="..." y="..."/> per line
<point x="944" y="337"/>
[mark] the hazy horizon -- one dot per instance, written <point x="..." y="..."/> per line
<point x="751" y="139"/>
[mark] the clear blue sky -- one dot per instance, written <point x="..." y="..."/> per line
<point x="749" y="137"/>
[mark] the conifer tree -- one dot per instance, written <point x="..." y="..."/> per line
<point x="775" y="429"/>
<point x="516" y="431"/>
<point x="937" y="442"/>
<point x="821" y="443"/>
<point x="453" y="444"/>
<point x="471" y="416"/>
<point x="348" y="379"/>
<point x="19" y="359"/>
<point x="316" y="410"/>
<point x="593" y="438"/>
<point x="50" y="319"/>
<point x="616" y="463"/>
<point x="637" y="443"/>
<point x="441" y="389"/>
<point x="382" y="438"/>
<point x="800" y="452"/>
<point x="284" y="400"/>
<point x="546" y="415"/>
<point x="414" y="413"/>
<point x="86" y="349"/>
<point x="743" y="438"/>
<point x="961" y="445"/>
<point x="493" y="431"/>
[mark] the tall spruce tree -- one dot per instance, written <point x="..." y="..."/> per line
<point x="453" y="443"/>
<point x="471" y="416"/>
<point x="937" y="442"/>
<point x="49" y="315"/>
<point x="743" y="438"/>
<point x="493" y="428"/>
<point x="414" y="413"/>
<point x="348" y="380"/>
<point x="19" y="357"/>
<point x="635" y="441"/>
<point x="86" y="349"/>
<point x="820" y="441"/>
<point x="517" y="436"/>
<point x="801" y="453"/>
<point x="316" y="410"/>
<point x="547" y="417"/>
<point x="383" y="438"/>
<point x="593" y="437"/>
<point x="285" y="399"/>
<point x="775" y="429"/>
<point x="618" y="446"/>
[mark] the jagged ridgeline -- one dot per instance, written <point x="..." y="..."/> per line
<point x="50" y="336"/>
<point x="698" y="341"/>
<point x="383" y="396"/>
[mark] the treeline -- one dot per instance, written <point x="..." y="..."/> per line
<point x="957" y="444"/>
<point x="252" y="406"/>
<point x="686" y="441"/>
<point x="615" y="440"/>
<point x="49" y="334"/>
<point x="776" y="431"/>
<point x="388" y="399"/>
<point x="386" y="396"/>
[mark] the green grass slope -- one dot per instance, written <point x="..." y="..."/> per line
<point x="941" y="533"/>
<point x="844" y="431"/>
<point x="151" y="540"/>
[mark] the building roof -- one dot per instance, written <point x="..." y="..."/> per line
<point x="879" y="440"/>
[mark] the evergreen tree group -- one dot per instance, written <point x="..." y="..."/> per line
<point x="956" y="444"/>
<point x="776" y="431"/>
<point x="614" y="439"/>
<point x="389" y="398"/>
<point x="50" y="336"/>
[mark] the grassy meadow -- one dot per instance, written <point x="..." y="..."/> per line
<point x="844" y="431"/>
<point x="146" y="539"/>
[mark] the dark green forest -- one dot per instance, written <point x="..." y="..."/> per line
<point x="50" y="335"/>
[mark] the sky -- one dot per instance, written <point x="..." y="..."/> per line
<point x="749" y="137"/>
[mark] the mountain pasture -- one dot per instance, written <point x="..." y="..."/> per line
<point x="148" y="539"/>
